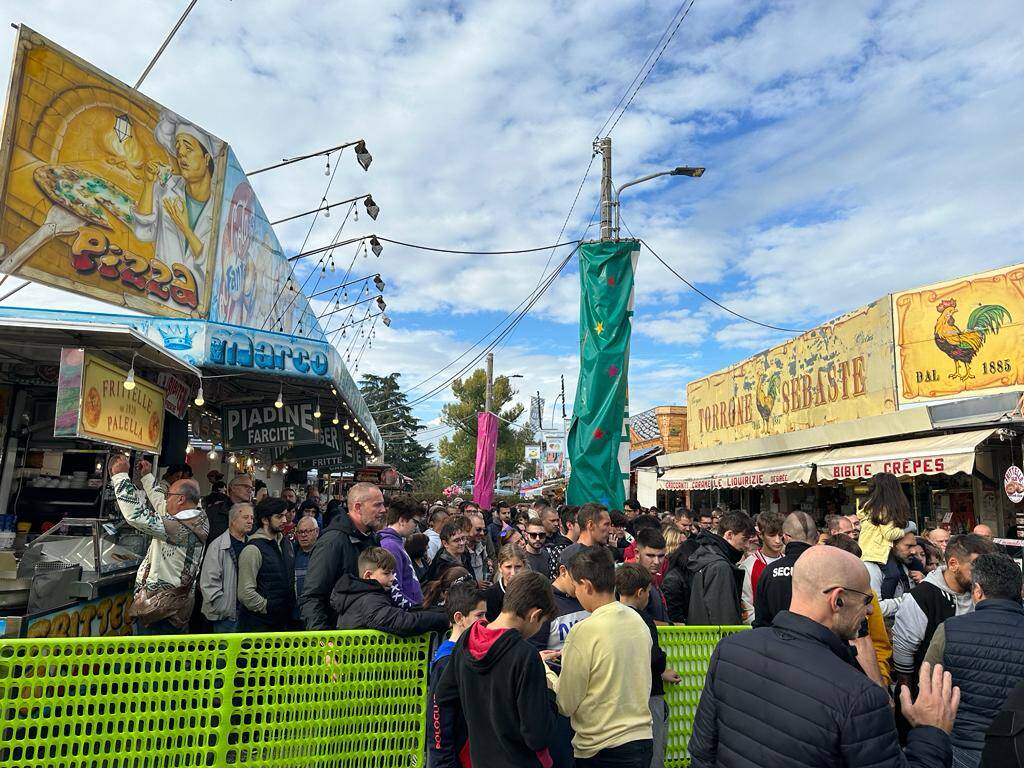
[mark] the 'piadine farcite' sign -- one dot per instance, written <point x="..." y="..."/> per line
<point x="264" y="426"/>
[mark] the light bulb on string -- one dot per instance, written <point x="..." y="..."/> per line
<point x="355" y="214"/>
<point x="344" y="295"/>
<point x="327" y="171"/>
<point x="332" y="262"/>
<point x="129" y="380"/>
<point x="335" y="420"/>
<point x="316" y="413"/>
<point x="199" y="396"/>
<point x="366" y="253"/>
<point x="327" y="212"/>
<point x="279" y="403"/>
<point x="343" y="333"/>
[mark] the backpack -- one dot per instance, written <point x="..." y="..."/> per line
<point x="1004" y="739"/>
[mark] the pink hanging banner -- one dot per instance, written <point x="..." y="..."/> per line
<point x="486" y="449"/>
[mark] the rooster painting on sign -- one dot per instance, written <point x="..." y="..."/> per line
<point x="962" y="346"/>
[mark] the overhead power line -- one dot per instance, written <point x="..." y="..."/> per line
<point x="663" y="41"/>
<point x="715" y="301"/>
<point x="476" y="253"/>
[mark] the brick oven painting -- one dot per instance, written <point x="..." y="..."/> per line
<point x="104" y="192"/>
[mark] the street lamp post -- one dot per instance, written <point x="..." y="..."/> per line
<point x="683" y="170"/>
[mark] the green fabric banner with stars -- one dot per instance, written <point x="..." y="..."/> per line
<point x="599" y="414"/>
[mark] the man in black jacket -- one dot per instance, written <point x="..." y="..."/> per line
<point x="240" y="491"/>
<point x="792" y="694"/>
<point x="715" y="581"/>
<point x="365" y="603"/>
<point x="498" y="680"/>
<point x="337" y="552"/>
<point x="775" y="586"/>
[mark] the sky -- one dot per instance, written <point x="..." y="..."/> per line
<point x="852" y="149"/>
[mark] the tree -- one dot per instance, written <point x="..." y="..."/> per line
<point x="398" y="426"/>
<point x="458" y="452"/>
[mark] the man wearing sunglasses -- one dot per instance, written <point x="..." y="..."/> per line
<point x="537" y="557"/>
<point x="811" y="703"/>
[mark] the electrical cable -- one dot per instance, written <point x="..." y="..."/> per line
<point x="652" y="66"/>
<point x="476" y="253"/>
<point x="535" y="296"/>
<point x="488" y="333"/>
<point x="305" y="240"/>
<point x="715" y="301"/>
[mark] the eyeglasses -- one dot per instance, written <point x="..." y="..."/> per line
<point x="866" y="595"/>
<point x="174" y="494"/>
<point x="535" y="535"/>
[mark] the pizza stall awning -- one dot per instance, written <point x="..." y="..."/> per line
<point x="25" y="340"/>
<point x="933" y="455"/>
<point x="770" y="470"/>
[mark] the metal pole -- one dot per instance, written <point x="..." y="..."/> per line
<point x="605" y="146"/>
<point x="563" y="396"/>
<point x="166" y="42"/>
<point x="489" y="400"/>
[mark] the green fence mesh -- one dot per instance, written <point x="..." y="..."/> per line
<point x="292" y="699"/>
<point x="689" y="650"/>
<point x="352" y="699"/>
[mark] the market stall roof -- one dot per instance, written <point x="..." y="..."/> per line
<point x="33" y="341"/>
<point x="933" y="455"/>
<point x="641" y="455"/>
<point x="770" y="470"/>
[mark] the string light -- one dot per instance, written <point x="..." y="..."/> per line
<point x="199" y="396"/>
<point x="279" y="403"/>
<point x="212" y="455"/>
<point x="335" y="420"/>
<point x="316" y="413"/>
<point x="327" y="172"/>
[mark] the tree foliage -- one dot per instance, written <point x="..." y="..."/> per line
<point x="398" y="426"/>
<point x="458" y="452"/>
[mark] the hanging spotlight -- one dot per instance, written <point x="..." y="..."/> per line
<point x="375" y="246"/>
<point x="199" y="396"/>
<point x="371" y="207"/>
<point x="379" y="282"/>
<point x="316" y="413"/>
<point x="387" y="320"/>
<point x="212" y="455"/>
<point x="381" y="303"/>
<point x="363" y="155"/>
<point x="279" y="403"/>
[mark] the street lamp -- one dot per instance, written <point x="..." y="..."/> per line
<point x="694" y="172"/>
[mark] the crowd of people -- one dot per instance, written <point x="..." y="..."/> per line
<point x="872" y="644"/>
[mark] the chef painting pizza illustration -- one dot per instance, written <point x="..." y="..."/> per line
<point x="175" y="211"/>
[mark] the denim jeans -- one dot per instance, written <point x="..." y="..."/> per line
<point x="162" y="627"/>
<point x="224" y="626"/>
<point x="632" y="754"/>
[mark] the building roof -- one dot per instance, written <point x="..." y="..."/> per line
<point x="645" y="425"/>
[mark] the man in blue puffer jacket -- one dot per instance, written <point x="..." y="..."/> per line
<point x="984" y="651"/>
<point x="792" y="694"/>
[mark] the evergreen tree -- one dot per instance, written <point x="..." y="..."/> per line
<point x="390" y="406"/>
<point x="458" y="451"/>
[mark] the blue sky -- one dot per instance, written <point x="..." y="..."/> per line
<point x="852" y="149"/>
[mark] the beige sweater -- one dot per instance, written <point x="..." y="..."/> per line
<point x="605" y="682"/>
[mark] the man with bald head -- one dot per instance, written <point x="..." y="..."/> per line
<point x="792" y="693"/>
<point x="774" y="588"/>
<point x="983" y="530"/>
<point x="336" y="553"/>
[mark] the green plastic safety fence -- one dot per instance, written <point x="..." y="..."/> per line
<point x="354" y="699"/>
<point x="688" y="650"/>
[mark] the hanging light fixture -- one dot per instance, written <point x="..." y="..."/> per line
<point x="199" y="396"/>
<point x="346" y="426"/>
<point x="378" y="281"/>
<point x="335" y="420"/>
<point x="363" y="155"/>
<point x="334" y="391"/>
<point x="316" y="413"/>
<point x="327" y="172"/>
<point x="129" y="381"/>
<point x="212" y="455"/>
<point x="189" y="448"/>
<point x="371" y="207"/>
<point x="377" y="248"/>
<point x="279" y="403"/>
